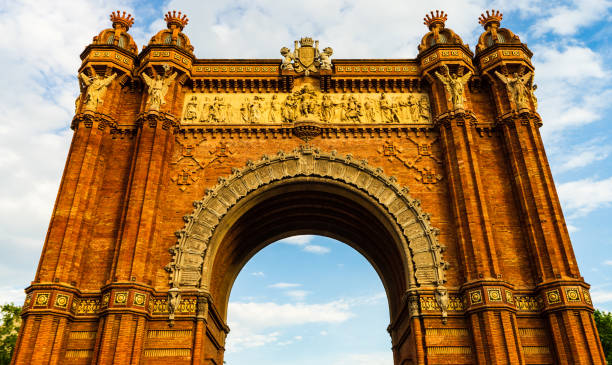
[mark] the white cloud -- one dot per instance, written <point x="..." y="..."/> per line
<point x="265" y="315"/>
<point x="601" y="296"/>
<point x="284" y="285"/>
<point x="581" y="197"/>
<point x="303" y="241"/>
<point x="567" y="19"/>
<point x="572" y="86"/>
<point x="568" y="158"/>
<point x="298" y="240"/>
<point x="608" y="262"/>
<point x="378" y="358"/>
<point x="258" y="274"/>
<point x="298" y="294"/>
<point x="11" y="295"/>
<point x="258" y="324"/>
<point x="320" y="250"/>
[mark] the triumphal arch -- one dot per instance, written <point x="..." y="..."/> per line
<point x="182" y="168"/>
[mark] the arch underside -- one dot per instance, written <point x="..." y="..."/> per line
<point x="306" y="191"/>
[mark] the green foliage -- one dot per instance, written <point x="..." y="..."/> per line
<point x="603" y="320"/>
<point x="9" y="328"/>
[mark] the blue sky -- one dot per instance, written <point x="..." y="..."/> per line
<point x="40" y="46"/>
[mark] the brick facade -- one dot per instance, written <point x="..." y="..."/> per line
<point x="475" y="256"/>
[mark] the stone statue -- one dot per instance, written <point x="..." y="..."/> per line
<point x="218" y="110"/>
<point x="274" y="115"/>
<point x="424" y="113"/>
<point x="288" y="57"/>
<point x="534" y="99"/>
<point x="325" y="58"/>
<point x="454" y="86"/>
<point x="388" y="110"/>
<point x="174" y="299"/>
<point x="191" y="111"/>
<point x="255" y="109"/>
<point x="351" y="109"/>
<point x="442" y="299"/>
<point x="517" y="89"/>
<point x="327" y="108"/>
<point x="307" y="101"/>
<point x="94" y="89"/>
<point x="244" y="110"/>
<point x="370" y="110"/>
<point x="158" y="87"/>
<point x="289" y="109"/>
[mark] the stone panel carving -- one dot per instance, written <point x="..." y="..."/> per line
<point x="306" y="103"/>
<point x="188" y="253"/>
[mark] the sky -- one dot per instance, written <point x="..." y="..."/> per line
<point x="40" y="46"/>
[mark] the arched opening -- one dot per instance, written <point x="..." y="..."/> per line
<point x="308" y="299"/>
<point x="307" y="192"/>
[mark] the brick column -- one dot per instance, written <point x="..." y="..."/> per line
<point x="568" y="306"/>
<point x="140" y="218"/>
<point x="71" y="222"/>
<point x="476" y="244"/>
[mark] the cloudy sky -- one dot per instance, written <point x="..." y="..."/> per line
<point x="321" y="312"/>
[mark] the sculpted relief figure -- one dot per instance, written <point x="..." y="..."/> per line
<point x="158" y="87"/>
<point x="191" y="111"/>
<point x="517" y="89"/>
<point x="218" y="110"/>
<point x="327" y="108"/>
<point x="274" y="114"/>
<point x="454" y="86"/>
<point x="388" y="110"/>
<point x="424" y="112"/>
<point x="93" y="89"/>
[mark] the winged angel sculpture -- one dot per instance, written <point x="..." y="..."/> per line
<point x="454" y="86"/>
<point x="158" y="87"/>
<point x="93" y="89"/>
<point x="517" y="88"/>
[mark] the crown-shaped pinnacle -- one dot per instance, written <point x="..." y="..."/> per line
<point x="494" y="17"/>
<point x="432" y="19"/>
<point x="306" y="42"/>
<point x="176" y="18"/>
<point x="122" y="19"/>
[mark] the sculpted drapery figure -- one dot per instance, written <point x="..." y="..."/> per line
<point x="454" y="86"/>
<point x="517" y="88"/>
<point x="388" y="110"/>
<point x="191" y="111"/>
<point x="158" y="87"/>
<point x="94" y="88"/>
<point x="274" y="115"/>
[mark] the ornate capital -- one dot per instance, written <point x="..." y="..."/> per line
<point x="89" y="119"/>
<point x="153" y="119"/>
<point x="523" y="117"/>
<point x="459" y="118"/>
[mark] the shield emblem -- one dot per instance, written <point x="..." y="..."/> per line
<point x="306" y="56"/>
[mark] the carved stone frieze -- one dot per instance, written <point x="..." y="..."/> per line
<point x="306" y="103"/>
<point x="188" y="253"/>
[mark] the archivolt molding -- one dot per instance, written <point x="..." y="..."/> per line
<point x="188" y="254"/>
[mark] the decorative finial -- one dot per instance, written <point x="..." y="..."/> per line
<point x="494" y="17"/>
<point x="177" y="19"/>
<point x="433" y="19"/>
<point x="123" y="20"/>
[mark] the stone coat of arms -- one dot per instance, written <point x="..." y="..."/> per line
<point x="306" y="57"/>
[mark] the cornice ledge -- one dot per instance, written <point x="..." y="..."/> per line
<point x="524" y="116"/>
<point x="459" y="117"/>
<point x="153" y="118"/>
<point x="88" y="118"/>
